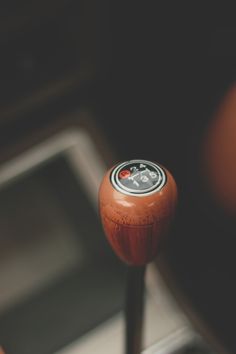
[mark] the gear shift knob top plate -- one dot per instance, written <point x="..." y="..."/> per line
<point x="137" y="200"/>
<point x="138" y="177"/>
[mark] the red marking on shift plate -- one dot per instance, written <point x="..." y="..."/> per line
<point x="124" y="174"/>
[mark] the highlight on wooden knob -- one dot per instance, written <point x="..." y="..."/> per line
<point x="137" y="200"/>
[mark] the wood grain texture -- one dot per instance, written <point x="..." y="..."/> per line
<point x="134" y="225"/>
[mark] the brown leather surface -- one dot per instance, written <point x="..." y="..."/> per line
<point x="220" y="153"/>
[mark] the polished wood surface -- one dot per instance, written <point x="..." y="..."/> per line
<point x="134" y="225"/>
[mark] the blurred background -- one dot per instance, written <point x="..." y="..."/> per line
<point x="85" y="84"/>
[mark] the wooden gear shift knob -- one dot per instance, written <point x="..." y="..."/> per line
<point x="137" y="200"/>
